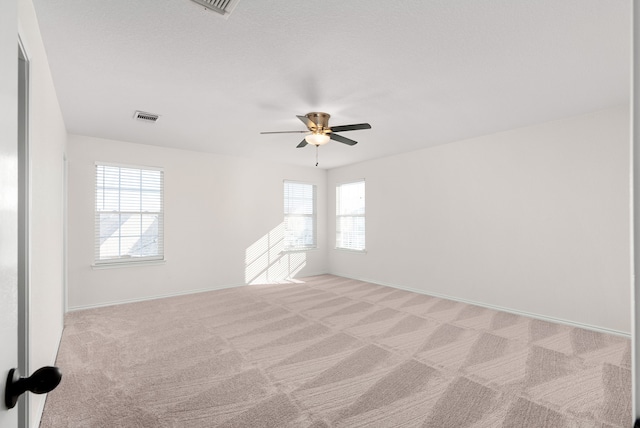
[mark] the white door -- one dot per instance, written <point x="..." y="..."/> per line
<point x="8" y="310"/>
<point x="9" y="328"/>
<point x="8" y="302"/>
<point x="8" y="202"/>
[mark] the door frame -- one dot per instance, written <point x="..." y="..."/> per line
<point x="24" y="205"/>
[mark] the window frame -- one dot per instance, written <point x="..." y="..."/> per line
<point x="340" y="216"/>
<point x="313" y="216"/>
<point x="125" y="260"/>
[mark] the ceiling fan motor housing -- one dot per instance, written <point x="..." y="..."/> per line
<point x="320" y="119"/>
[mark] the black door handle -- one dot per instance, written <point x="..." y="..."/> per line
<point x="43" y="380"/>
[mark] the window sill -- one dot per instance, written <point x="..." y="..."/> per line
<point x="115" y="265"/>
<point x="298" y="250"/>
<point x="347" y="250"/>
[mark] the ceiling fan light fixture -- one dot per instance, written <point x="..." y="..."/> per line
<point x="317" y="139"/>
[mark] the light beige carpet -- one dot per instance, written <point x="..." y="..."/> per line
<point x="333" y="352"/>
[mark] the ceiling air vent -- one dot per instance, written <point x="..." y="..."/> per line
<point x="223" y="7"/>
<point x="146" y="117"/>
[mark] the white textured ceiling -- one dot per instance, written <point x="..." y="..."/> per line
<point x="421" y="72"/>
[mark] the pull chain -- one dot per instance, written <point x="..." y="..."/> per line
<point x="317" y="155"/>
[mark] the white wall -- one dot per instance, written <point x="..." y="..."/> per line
<point x="47" y="145"/>
<point x="221" y="213"/>
<point x="533" y="220"/>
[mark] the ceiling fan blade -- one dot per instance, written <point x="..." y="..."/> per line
<point x="285" y="132"/>
<point x="308" y="122"/>
<point x="302" y="143"/>
<point x="350" y="127"/>
<point x="342" y="139"/>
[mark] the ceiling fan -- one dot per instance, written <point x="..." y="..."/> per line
<point x="317" y="124"/>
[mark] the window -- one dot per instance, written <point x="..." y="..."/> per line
<point x="350" y="216"/>
<point x="299" y="216"/>
<point x="129" y="214"/>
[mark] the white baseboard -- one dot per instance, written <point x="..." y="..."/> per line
<point x="308" y="274"/>
<point x="497" y="308"/>
<point x="399" y="287"/>
<point x="34" y="422"/>
<point x="162" y="296"/>
<point x="154" y="297"/>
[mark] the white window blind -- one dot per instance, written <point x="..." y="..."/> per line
<point x="299" y="215"/>
<point x="350" y="216"/>
<point x="129" y="215"/>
